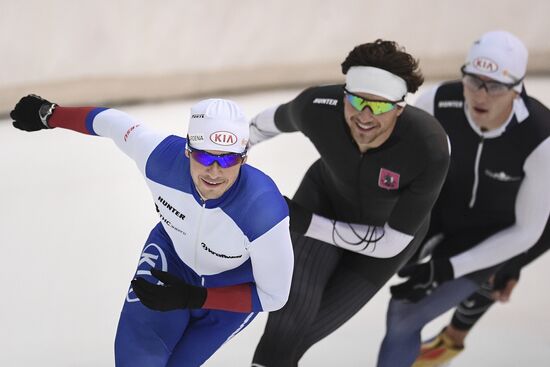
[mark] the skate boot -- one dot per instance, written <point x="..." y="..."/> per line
<point x="437" y="352"/>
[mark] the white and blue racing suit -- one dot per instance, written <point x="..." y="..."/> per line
<point x="237" y="246"/>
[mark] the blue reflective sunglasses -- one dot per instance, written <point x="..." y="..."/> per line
<point x="225" y="160"/>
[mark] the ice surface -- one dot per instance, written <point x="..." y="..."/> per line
<point x="74" y="216"/>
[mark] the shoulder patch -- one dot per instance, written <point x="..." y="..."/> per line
<point x="327" y="101"/>
<point x="450" y="104"/>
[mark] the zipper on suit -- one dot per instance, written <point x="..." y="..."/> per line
<point x="476" y="173"/>
<point x="197" y="244"/>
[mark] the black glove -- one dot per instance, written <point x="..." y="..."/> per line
<point x="174" y="294"/>
<point x="31" y="113"/>
<point x="300" y="217"/>
<point x="423" y="278"/>
<point x="504" y="275"/>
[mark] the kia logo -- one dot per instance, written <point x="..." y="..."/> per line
<point x="486" y="65"/>
<point x="223" y="138"/>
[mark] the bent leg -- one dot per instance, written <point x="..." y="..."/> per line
<point x="146" y="338"/>
<point x="405" y="321"/>
<point x="315" y="262"/>
<point x="355" y="282"/>
<point x="345" y="295"/>
<point x="473" y="308"/>
<point x="207" y="331"/>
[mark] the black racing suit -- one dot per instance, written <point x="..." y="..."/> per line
<point x="493" y="207"/>
<point x="480" y="194"/>
<point x="331" y="284"/>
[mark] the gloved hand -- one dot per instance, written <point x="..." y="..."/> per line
<point x="300" y="217"/>
<point x="504" y="275"/>
<point x="31" y="113"/>
<point x="423" y="279"/>
<point x="504" y="281"/>
<point x="174" y="294"/>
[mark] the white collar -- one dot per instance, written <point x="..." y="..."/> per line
<point x="519" y="109"/>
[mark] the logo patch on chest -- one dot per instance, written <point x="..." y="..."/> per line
<point x="388" y="180"/>
<point x="502" y="176"/>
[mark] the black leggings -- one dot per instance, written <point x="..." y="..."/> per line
<point x="329" y="286"/>
<point x="470" y="310"/>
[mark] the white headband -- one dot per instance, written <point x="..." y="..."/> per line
<point x="368" y="79"/>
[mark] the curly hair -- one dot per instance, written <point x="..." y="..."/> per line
<point x="387" y="55"/>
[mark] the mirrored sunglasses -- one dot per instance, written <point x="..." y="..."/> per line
<point x="225" y="160"/>
<point x="493" y="88"/>
<point x="376" y="107"/>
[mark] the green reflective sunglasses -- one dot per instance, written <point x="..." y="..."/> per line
<point x="376" y="107"/>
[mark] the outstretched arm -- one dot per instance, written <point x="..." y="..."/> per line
<point x="278" y="119"/>
<point x="33" y="113"/>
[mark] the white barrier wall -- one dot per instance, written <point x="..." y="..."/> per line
<point x="76" y="51"/>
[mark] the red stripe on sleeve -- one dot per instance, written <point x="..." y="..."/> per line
<point x="237" y="298"/>
<point x="72" y="118"/>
